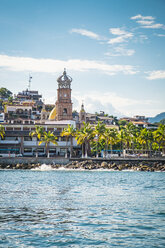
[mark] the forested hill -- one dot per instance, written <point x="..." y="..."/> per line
<point x="157" y="118"/>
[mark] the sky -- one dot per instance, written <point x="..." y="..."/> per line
<point x="114" y="51"/>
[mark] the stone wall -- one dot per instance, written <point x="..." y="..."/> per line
<point x="31" y="160"/>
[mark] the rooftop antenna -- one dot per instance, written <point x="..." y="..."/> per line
<point x="30" y="78"/>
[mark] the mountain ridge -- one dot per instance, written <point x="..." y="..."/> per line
<point x="157" y="118"/>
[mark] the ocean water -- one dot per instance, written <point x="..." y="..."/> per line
<point x="59" y="208"/>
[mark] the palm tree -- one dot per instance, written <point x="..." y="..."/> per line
<point x="122" y="138"/>
<point x="150" y="141"/>
<point x="129" y="132"/>
<point x="99" y="132"/>
<point x="2" y="131"/>
<point x="47" y="139"/>
<point x="84" y="136"/>
<point x="38" y="133"/>
<point x="69" y="132"/>
<point x="111" y="137"/>
<point x="125" y="139"/>
<point x="143" y="138"/>
<point x="159" y="136"/>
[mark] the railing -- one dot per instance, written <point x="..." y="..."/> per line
<point x="33" y="143"/>
<point x="9" y="141"/>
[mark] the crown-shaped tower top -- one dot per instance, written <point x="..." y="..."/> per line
<point x="64" y="81"/>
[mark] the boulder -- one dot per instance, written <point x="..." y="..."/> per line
<point x="17" y="166"/>
<point x="104" y="164"/>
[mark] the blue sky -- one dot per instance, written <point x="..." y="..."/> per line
<point x="113" y="50"/>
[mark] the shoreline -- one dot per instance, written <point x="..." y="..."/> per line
<point x="151" y="164"/>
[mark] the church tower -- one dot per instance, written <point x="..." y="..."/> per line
<point x="44" y="113"/>
<point x="64" y="102"/>
<point x="82" y="114"/>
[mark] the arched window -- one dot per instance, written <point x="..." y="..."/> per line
<point x="65" y="111"/>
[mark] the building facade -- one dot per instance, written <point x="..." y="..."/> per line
<point x="20" y="121"/>
<point x="18" y="141"/>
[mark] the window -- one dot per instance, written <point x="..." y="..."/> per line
<point x="65" y="111"/>
<point x="19" y="111"/>
<point x="27" y="138"/>
<point x="62" y="150"/>
<point x="26" y="128"/>
<point x="9" y="128"/>
<point x="40" y="149"/>
<point x="17" y="129"/>
<point x="10" y="138"/>
<point x="27" y="150"/>
<point x="52" y="150"/>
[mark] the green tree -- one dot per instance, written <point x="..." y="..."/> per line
<point x="69" y="132"/>
<point x="111" y="137"/>
<point x="99" y="131"/>
<point x="162" y="121"/>
<point x="150" y="140"/>
<point x="38" y="133"/>
<point x="84" y="137"/>
<point x="159" y="136"/>
<point x="144" y="138"/>
<point x="128" y="136"/>
<point x="122" y="123"/>
<point x="2" y="131"/>
<point x="5" y="93"/>
<point x="125" y="138"/>
<point x="47" y="139"/>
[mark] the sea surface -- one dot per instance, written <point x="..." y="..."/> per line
<point x="62" y="208"/>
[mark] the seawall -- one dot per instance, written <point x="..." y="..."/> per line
<point x="141" y="164"/>
<point x="33" y="160"/>
<point x="64" y="161"/>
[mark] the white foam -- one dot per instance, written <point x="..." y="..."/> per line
<point x="43" y="167"/>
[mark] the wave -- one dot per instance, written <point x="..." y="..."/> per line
<point x="45" y="167"/>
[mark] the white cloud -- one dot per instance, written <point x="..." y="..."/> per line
<point x="159" y="74"/>
<point x="86" y="33"/>
<point x="112" y="104"/>
<point x="108" y="102"/>
<point x="160" y="35"/>
<point x="51" y="65"/>
<point x="120" y="51"/>
<point x="123" y="35"/>
<point x="117" y="31"/>
<point x="147" y="22"/>
<point x="143" y="22"/>
<point x="156" y="25"/>
<point x="142" y="17"/>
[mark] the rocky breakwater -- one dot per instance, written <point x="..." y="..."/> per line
<point x="20" y="166"/>
<point x="95" y="165"/>
<point x="118" y="165"/>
